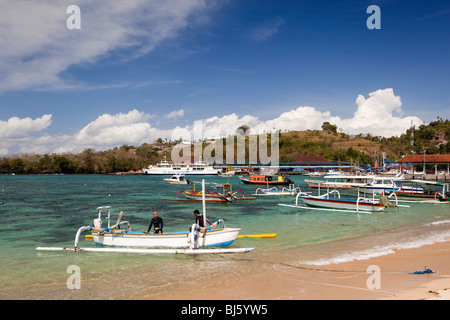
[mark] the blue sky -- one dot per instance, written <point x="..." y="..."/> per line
<point x="263" y="62"/>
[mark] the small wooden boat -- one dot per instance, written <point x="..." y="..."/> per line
<point x="272" y="180"/>
<point x="422" y="191"/>
<point x="177" y="179"/>
<point x="229" y="171"/>
<point x="227" y="195"/>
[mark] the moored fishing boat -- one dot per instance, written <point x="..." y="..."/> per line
<point x="341" y="181"/>
<point x="227" y="195"/>
<point x="422" y="191"/>
<point x="382" y="184"/>
<point x="267" y="176"/>
<point x="262" y="179"/>
<point x="171" y="242"/>
<point x="177" y="179"/>
<point x="359" y="204"/>
<point x="332" y="201"/>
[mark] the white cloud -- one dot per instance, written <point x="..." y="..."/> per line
<point x="265" y="30"/>
<point x="37" y="47"/>
<point x="16" y="134"/>
<point x="302" y="118"/>
<point x="175" y="114"/>
<point x="379" y="114"/>
<point x="18" y="128"/>
<point x="108" y="131"/>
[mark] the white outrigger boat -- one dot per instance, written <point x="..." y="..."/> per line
<point x="382" y="184"/>
<point x="124" y="240"/>
<point x="358" y="204"/>
<point x="113" y="236"/>
<point x="370" y="183"/>
<point x="422" y="191"/>
<point x="341" y="181"/>
<point x="332" y="201"/>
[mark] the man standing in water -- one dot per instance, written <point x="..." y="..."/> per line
<point x="199" y="219"/>
<point x="157" y="222"/>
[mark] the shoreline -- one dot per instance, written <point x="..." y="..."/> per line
<point x="266" y="280"/>
<point x="262" y="276"/>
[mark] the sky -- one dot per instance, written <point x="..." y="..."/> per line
<point x="140" y="70"/>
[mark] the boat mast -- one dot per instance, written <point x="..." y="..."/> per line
<point x="204" y="202"/>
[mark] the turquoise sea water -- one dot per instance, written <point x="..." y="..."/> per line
<point x="47" y="210"/>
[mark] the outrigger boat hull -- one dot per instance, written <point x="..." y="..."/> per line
<point x="213" y="238"/>
<point x="419" y="196"/>
<point x="345" y="204"/>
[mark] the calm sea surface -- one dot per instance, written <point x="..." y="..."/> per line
<point x="47" y="210"/>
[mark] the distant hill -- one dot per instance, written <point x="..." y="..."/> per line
<point x="432" y="138"/>
<point x="328" y="143"/>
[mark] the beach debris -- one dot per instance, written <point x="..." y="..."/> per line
<point x="424" y="271"/>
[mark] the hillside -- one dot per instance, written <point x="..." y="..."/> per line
<point x="330" y="145"/>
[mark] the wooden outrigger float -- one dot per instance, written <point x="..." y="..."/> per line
<point x="182" y="242"/>
<point x="292" y="190"/>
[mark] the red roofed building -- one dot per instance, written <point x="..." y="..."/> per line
<point x="429" y="158"/>
<point x="424" y="159"/>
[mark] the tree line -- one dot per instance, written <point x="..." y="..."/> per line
<point x="119" y="159"/>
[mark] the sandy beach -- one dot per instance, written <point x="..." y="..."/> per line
<point x="263" y="275"/>
<point x="344" y="281"/>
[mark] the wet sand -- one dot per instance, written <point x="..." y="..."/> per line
<point x="260" y="275"/>
<point x="256" y="277"/>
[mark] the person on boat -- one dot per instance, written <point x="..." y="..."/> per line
<point x="199" y="219"/>
<point x="157" y="222"/>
